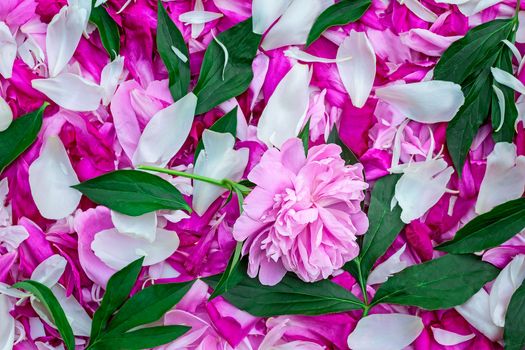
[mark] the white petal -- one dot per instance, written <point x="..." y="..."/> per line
<point x="142" y="226"/>
<point x="118" y="250"/>
<point x="295" y="23"/>
<point x="76" y="315"/>
<point x="387" y="268"/>
<point x="156" y="146"/>
<point x="296" y="53"/>
<point x="448" y="338"/>
<point x="218" y="161"/>
<point x="12" y="236"/>
<point x="49" y="271"/>
<point x="504" y="178"/>
<point x="50" y="178"/>
<point x="110" y="78"/>
<point x="520" y="33"/>
<point x="31" y="53"/>
<point x="100" y="2"/>
<point x="70" y="91"/>
<point x="471" y="7"/>
<point x="421" y="186"/>
<point x="265" y="12"/>
<point x="359" y="72"/>
<point x="507" y="79"/>
<point x="420" y="10"/>
<point x="12" y="292"/>
<point x="63" y="35"/>
<point x="385" y="332"/>
<point x="509" y="279"/>
<point x="7" y="51"/>
<point x="7" y="326"/>
<point x="501" y="103"/>
<point x="286" y="109"/>
<point x="199" y="17"/>
<point x="425" y="102"/>
<point x="476" y="311"/>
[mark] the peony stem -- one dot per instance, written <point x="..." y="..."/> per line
<point x="225" y="183"/>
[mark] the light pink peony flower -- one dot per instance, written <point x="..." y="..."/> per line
<point x="304" y="215"/>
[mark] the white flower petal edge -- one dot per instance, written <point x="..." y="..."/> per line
<point x="12" y="236"/>
<point x="470" y="7"/>
<point x="7" y="326"/>
<point x="507" y="79"/>
<point x="295" y="23"/>
<point x="448" y="338"/>
<point x="425" y="102"/>
<point x="218" y="160"/>
<point x="385" y="332"/>
<point x="386" y="269"/>
<point x="199" y="17"/>
<point x="476" y="312"/>
<point x="110" y="78"/>
<point x="421" y="186"/>
<point x="117" y="250"/>
<point x="508" y="280"/>
<point x="156" y="146"/>
<point x="6" y="114"/>
<point x="64" y="33"/>
<point x="142" y="226"/>
<point x="8" y="49"/>
<point x="504" y="179"/>
<point x="50" y="178"/>
<point x="49" y="271"/>
<point x="359" y="72"/>
<point x="420" y="10"/>
<point x="71" y="91"/>
<point x="520" y="33"/>
<point x="265" y="12"/>
<point x="286" y="109"/>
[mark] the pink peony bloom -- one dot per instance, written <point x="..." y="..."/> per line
<point x="304" y="215"/>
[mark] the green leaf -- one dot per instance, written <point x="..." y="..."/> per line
<point x="147" y="306"/>
<point x="117" y="292"/>
<point x="385" y="225"/>
<point x="108" y="30"/>
<point x="231" y="276"/>
<point x="507" y="131"/>
<point x="341" y="13"/>
<point x="346" y="154"/>
<point x="169" y="36"/>
<point x="19" y="136"/>
<point x="226" y="124"/>
<point x="50" y="302"/>
<point x="133" y="192"/>
<point x="304" y="135"/>
<point x="437" y="284"/>
<point x="144" y="338"/>
<point x="291" y="296"/>
<point x="473" y="53"/>
<point x="488" y="230"/>
<point x="217" y="82"/>
<point x="513" y="335"/>
<point x="465" y="124"/>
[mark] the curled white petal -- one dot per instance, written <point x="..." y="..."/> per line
<point x="199" y="17"/>
<point x="296" y="53"/>
<point x="218" y="161"/>
<point x="420" y="10"/>
<point x="110" y="78"/>
<point x="507" y="79"/>
<point x="471" y="7"/>
<point x="425" y="102"/>
<point x="142" y="226"/>
<point x="12" y="236"/>
<point x="49" y="271"/>
<point x="520" y="33"/>
<point x="286" y="109"/>
<point x="50" y="179"/>
<point x="156" y="146"/>
<point x="357" y="74"/>
<point x="385" y="332"/>
<point x="7" y="326"/>
<point x="6" y="115"/>
<point x="448" y="338"/>
<point x="501" y="103"/>
<point x="8" y="49"/>
<point x="265" y="12"/>
<point x="386" y="269"/>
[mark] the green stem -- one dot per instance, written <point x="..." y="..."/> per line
<point x="518" y="5"/>
<point x="225" y="183"/>
<point x="362" y="283"/>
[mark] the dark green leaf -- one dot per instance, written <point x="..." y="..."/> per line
<point x="473" y="53"/>
<point x="108" y="30"/>
<point x="168" y="36"/>
<point x="232" y="275"/>
<point x="291" y="296"/>
<point x="343" y="12"/>
<point x="507" y="131"/>
<point x="346" y="154"/>
<point x="19" y="136"/>
<point x="133" y="192"/>
<point x="147" y="306"/>
<point x="488" y="230"/>
<point x="226" y="124"/>
<point x="50" y="302"/>
<point x="462" y="129"/>
<point x="514" y="334"/>
<point x="145" y="338"/>
<point x="218" y="83"/>
<point x="305" y="136"/>
<point x="437" y="284"/>
<point x="385" y="225"/>
<point x="117" y="291"/>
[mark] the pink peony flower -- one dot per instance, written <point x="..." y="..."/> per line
<point x="304" y="215"/>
